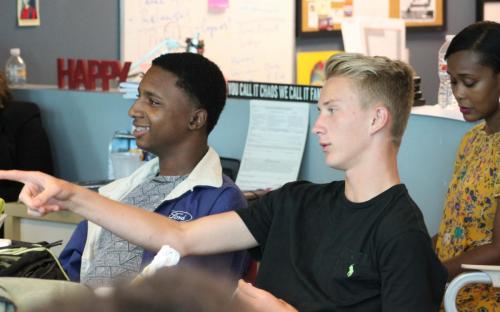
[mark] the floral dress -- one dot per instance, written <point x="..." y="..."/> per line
<point x="469" y="210"/>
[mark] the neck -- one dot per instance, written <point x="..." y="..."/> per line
<point x="181" y="161"/>
<point x="493" y="123"/>
<point x="372" y="177"/>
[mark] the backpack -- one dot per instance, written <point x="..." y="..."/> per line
<point x="34" y="260"/>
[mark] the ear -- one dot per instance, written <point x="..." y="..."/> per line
<point x="198" y="119"/>
<point x="379" y="118"/>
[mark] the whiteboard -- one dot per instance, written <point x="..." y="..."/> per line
<point x="491" y="12"/>
<point x="249" y="40"/>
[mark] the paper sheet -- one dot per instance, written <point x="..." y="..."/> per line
<point x="375" y="36"/>
<point x="371" y="8"/>
<point x="276" y="138"/>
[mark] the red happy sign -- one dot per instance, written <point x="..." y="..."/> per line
<point x="86" y="72"/>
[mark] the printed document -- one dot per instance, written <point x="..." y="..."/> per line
<point x="276" y="138"/>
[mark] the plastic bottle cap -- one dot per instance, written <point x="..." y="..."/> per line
<point x="15" y="51"/>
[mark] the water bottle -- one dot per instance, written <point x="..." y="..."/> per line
<point x="122" y="142"/>
<point x="445" y="94"/>
<point x="123" y="145"/>
<point x="15" y="68"/>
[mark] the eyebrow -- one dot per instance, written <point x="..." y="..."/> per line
<point x="148" y="93"/>
<point x="329" y="102"/>
<point x="467" y="75"/>
<point x="463" y="75"/>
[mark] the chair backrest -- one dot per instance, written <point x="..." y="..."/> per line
<point x="230" y="167"/>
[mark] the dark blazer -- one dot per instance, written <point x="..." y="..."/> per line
<point x="23" y="144"/>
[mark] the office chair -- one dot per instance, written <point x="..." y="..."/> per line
<point x="230" y="167"/>
<point x="487" y="274"/>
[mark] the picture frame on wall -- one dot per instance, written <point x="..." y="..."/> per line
<point x="488" y="10"/>
<point x="419" y="13"/>
<point x="28" y="13"/>
<point x="319" y="18"/>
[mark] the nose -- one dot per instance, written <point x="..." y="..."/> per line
<point x="458" y="91"/>
<point x="318" y="127"/>
<point x="134" y="110"/>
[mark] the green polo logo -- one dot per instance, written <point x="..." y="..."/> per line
<point x="350" y="272"/>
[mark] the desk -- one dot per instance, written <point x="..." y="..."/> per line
<point x="52" y="227"/>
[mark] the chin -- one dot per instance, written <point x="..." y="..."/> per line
<point x="472" y="118"/>
<point x="142" y="146"/>
<point x="334" y="164"/>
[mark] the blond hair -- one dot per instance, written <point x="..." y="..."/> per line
<point x="378" y="79"/>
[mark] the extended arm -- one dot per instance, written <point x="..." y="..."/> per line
<point x="212" y="234"/>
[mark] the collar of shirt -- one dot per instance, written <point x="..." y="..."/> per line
<point x="208" y="172"/>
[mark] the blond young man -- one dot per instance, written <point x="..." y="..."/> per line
<point x="353" y="245"/>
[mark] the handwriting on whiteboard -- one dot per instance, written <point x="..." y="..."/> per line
<point x="249" y="41"/>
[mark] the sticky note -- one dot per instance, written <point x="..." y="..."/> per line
<point x="218" y="4"/>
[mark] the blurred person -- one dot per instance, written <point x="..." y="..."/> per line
<point x="23" y="141"/>
<point x="175" y="289"/>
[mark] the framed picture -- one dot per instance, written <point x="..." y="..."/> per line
<point x="321" y="17"/>
<point x="419" y="13"/>
<point x="28" y="13"/>
<point x="488" y="10"/>
<point x="317" y="18"/>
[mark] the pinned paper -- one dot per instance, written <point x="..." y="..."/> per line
<point x="276" y="138"/>
<point x="375" y="36"/>
<point x="218" y="4"/>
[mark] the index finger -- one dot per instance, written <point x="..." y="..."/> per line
<point x="16" y="175"/>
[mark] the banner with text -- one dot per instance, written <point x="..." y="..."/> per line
<point x="273" y="91"/>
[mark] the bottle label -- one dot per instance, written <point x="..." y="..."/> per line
<point x="21" y="73"/>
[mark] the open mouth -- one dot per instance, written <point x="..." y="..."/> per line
<point x="140" y="130"/>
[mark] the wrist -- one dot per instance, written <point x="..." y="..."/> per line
<point x="76" y="198"/>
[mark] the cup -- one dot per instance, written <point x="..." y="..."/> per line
<point x="124" y="163"/>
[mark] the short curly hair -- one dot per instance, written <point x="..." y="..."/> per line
<point x="200" y="78"/>
<point x="4" y="91"/>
